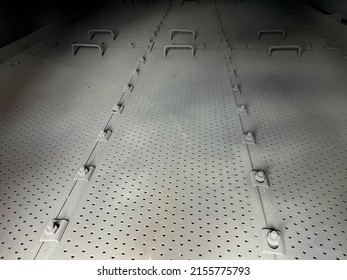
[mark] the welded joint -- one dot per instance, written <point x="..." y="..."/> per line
<point x="259" y="179"/>
<point x="272" y="242"/>
<point x="84" y="173"/>
<point x="54" y="230"/>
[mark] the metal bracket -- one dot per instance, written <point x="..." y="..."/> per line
<point x="278" y="31"/>
<point x="176" y="30"/>
<point x="84" y="173"/>
<point x="92" y="32"/>
<point x="248" y="138"/>
<point x="272" y="241"/>
<point x="285" y="48"/>
<point x="76" y="46"/>
<point x="104" y="135"/>
<point x="54" y="230"/>
<point x="167" y="47"/>
<point x="258" y="179"/>
<point x="241" y="110"/>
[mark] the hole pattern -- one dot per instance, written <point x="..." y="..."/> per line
<point x="298" y="110"/>
<point x="49" y="119"/>
<point x="174" y="183"/>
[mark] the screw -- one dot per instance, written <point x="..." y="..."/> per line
<point x="249" y="136"/>
<point x="260" y="176"/>
<point x="273" y="239"/>
<point x="83" y="170"/>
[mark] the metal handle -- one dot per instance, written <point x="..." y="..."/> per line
<point x="92" y="32"/>
<point x="279" y="31"/>
<point x="285" y="48"/>
<point x="167" y="47"/>
<point x="176" y="30"/>
<point x="76" y="46"/>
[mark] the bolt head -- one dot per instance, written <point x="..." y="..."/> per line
<point x="102" y="133"/>
<point x="83" y="170"/>
<point x="242" y="108"/>
<point x="260" y="176"/>
<point x="51" y="228"/>
<point x="235" y="87"/>
<point x="273" y="239"/>
<point x="249" y="136"/>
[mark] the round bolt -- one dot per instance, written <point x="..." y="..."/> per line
<point x="273" y="239"/>
<point x="236" y="88"/>
<point x="249" y="136"/>
<point x="242" y="108"/>
<point x="83" y="170"/>
<point x="102" y="133"/>
<point x="51" y="228"/>
<point x="260" y="176"/>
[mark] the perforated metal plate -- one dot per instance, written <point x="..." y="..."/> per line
<point x="173" y="180"/>
<point x="298" y="110"/>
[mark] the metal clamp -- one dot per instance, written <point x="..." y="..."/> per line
<point x="279" y="31"/>
<point x="167" y="47"/>
<point x="92" y="32"/>
<point x="285" y="48"/>
<point x="76" y="46"/>
<point x="176" y="30"/>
